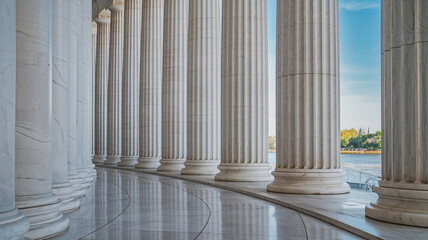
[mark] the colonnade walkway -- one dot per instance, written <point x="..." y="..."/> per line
<point x="128" y="203"/>
<point x="134" y="205"/>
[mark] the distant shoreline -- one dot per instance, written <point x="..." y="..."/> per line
<point x="360" y="152"/>
<point x="344" y="152"/>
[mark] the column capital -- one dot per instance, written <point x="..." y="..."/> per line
<point x="103" y="16"/>
<point x="94" y="27"/>
<point x="117" y="5"/>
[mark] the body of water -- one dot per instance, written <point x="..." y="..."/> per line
<point x="347" y="158"/>
<point x="354" y="163"/>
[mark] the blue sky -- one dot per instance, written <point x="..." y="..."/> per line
<point x="359" y="36"/>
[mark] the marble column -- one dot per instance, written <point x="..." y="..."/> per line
<point x="80" y="105"/>
<point x="73" y="176"/>
<point x="244" y="85"/>
<point x="12" y="223"/>
<point x="307" y="91"/>
<point x="151" y="84"/>
<point x="88" y="168"/>
<point x="101" y="80"/>
<point x="114" y="120"/>
<point x="174" y="80"/>
<point x="60" y="83"/>
<point x="403" y="189"/>
<point x="131" y="83"/>
<point x="203" y="88"/>
<point x="33" y="142"/>
<point x="94" y="61"/>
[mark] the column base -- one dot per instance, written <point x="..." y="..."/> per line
<point x="99" y="159"/>
<point x="79" y="189"/>
<point x="90" y="168"/>
<point x="112" y="160"/>
<point x="43" y="212"/>
<point x="128" y="161"/>
<point x="401" y="206"/>
<point x="308" y="181"/>
<point x="148" y="162"/>
<point x="64" y="191"/>
<point x="171" y="165"/>
<point x="200" y="167"/>
<point x="13" y="225"/>
<point x="86" y="176"/>
<point x="244" y="172"/>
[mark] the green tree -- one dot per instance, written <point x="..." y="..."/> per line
<point x="343" y="142"/>
<point x="357" y="142"/>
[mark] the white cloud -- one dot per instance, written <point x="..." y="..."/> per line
<point x="359" y="5"/>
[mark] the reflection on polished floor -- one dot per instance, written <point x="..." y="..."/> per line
<point x="131" y="205"/>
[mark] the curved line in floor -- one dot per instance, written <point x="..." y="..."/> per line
<point x="322" y="217"/>
<point x="181" y="189"/>
<point x="304" y="225"/>
<point x="111" y="220"/>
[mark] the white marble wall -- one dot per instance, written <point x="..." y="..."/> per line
<point x="101" y="80"/>
<point x="174" y="85"/>
<point x="307" y="96"/>
<point x="203" y="86"/>
<point x="403" y="189"/>
<point x="244" y="85"/>
<point x="151" y="84"/>
<point x="131" y="83"/>
<point x="12" y="223"/>
<point x="114" y="115"/>
<point x="60" y="83"/>
<point x="34" y="120"/>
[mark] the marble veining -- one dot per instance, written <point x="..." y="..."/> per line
<point x="12" y="223"/>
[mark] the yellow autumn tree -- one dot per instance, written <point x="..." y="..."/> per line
<point x="347" y="134"/>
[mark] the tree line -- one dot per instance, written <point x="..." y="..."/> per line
<point x="350" y="138"/>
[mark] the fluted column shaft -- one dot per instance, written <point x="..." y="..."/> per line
<point x="403" y="189"/>
<point x="101" y="80"/>
<point x="73" y="177"/>
<point x="174" y="80"/>
<point x="151" y="84"/>
<point x="308" y="159"/>
<point x="33" y="147"/>
<point x="131" y="83"/>
<point x="114" y="119"/>
<point x="203" y="86"/>
<point x="12" y="223"/>
<point x="94" y="64"/>
<point x="60" y="84"/>
<point x="79" y="92"/>
<point x="85" y="167"/>
<point x="244" y="79"/>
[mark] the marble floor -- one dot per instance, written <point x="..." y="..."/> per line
<point x="133" y="205"/>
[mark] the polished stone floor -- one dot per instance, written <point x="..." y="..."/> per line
<point x="131" y="205"/>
